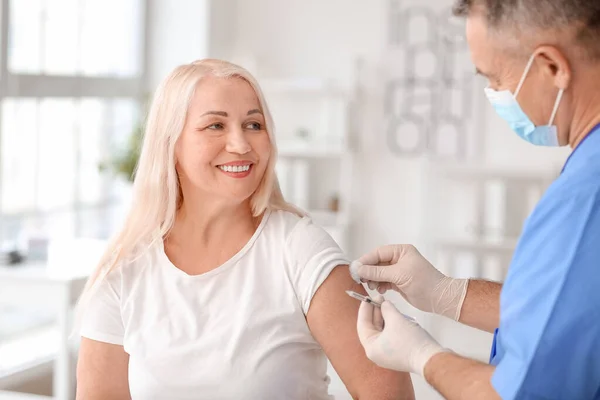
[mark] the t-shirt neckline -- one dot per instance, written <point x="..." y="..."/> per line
<point x="223" y="267"/>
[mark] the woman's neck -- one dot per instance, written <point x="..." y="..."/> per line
<point x="203" y="238"/>
<point x="212" y="224"/>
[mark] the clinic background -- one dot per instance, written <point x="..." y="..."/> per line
<point x="384" y="132"/>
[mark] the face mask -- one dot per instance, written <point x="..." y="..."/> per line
<point x="507" y="106"/>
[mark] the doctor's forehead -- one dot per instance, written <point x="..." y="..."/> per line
<point x="487" y="52"/>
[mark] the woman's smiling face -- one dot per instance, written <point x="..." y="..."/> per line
<point x="224" y="148"/>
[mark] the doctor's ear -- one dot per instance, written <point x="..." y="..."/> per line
<point x="554" y="65"/>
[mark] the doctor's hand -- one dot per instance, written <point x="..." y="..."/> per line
<point x="404" y="269"/>
<point x="393" y="341"/>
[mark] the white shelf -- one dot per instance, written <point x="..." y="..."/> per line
<point x="473" y="245"/>
<point x="27" y="351"/>
<point x="307" y="85"/>
<point x="311" y="151"/>
<point x="328" y="218"/>
<point x="491" y="172"/>
<point x="321" y="107"/>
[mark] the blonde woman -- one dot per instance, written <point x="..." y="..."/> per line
<point x="216" y="288"/>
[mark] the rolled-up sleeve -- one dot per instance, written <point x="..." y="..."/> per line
<point x="313" y="254"/>
<point x="101" y="314"/>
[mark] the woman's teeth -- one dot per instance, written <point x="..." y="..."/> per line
<point x="234" y="168"/>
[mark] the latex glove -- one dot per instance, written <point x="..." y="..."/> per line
<point x="394" y="342"/>
<point x="404" y="269"/>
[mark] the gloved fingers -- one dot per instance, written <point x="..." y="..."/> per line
<point x="380" y="256"/>
<point x="366" y="325"/>
<point x="399" y="321"/>
<point x="392" y="316"/>
<point x="381" y="287"/>
<point x="384" y="287"/>
<point x="377" y="274"/>
<point x="377" y="316"/>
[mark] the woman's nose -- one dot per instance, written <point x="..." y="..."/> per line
<point x="237" y="142"/>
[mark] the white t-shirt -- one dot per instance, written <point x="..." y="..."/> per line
<point x="236" y="332"/>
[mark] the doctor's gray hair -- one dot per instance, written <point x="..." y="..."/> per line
<point x="582" y="17"/>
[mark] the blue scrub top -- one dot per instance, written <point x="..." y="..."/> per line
<point x="548" y="342"/>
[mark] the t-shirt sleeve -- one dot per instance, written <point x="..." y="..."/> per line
<point x="101" y="312"/>
<point x="312" y="254"/>
<point x="550" y="320"/>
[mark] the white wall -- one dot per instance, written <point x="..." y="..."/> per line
<point x="186" y="30"/>
<point x="222" y="28"/>
<point x="308" y="37"/>
<point x="178" y="34"/>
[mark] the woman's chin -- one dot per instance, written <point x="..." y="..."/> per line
<point x="240" y="196"/>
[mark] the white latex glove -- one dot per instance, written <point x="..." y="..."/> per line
<point x="404" y="269"/>
<point x="394" y="342"/>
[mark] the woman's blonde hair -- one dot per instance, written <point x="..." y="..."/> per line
<point x="156" y="191"/>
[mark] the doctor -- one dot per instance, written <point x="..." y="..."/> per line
<point x="542" y="61"/>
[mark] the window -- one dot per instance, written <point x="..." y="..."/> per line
<point x="71" y="85"/>
<point x="76" y="37"/>
<point x="52" y="149"/>
<point x="70" y="93"/>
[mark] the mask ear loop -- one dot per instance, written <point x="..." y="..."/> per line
<point x="556" y="105"/>
<point x="522" y="81"/>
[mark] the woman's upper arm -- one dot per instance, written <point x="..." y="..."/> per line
<point x="102" y="367"/>
<point x="332" y="320"/>
<point x="102" y="371"/>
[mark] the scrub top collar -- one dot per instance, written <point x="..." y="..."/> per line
<point x="595" y="130"/>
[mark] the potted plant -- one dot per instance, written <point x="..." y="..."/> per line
<point x="124" y="162"/>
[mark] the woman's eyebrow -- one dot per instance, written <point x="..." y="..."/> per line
<point x="224" y="114"/>
<point x="221" y="113"/>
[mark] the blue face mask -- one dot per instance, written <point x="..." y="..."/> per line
<point x="507" y="106"/>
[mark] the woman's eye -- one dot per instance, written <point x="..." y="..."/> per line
<point x="215" y="126"/>
<point x="254" y="126"/>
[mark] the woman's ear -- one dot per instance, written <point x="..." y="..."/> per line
<point x="555" y="66"/>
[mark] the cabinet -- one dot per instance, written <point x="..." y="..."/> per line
<point x="473" y="214"/>
<point x="315" y="153"/>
